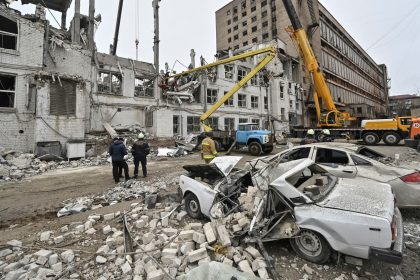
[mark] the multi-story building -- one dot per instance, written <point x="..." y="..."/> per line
<point x="405" y="105"/>
<point x="357" y="83"/>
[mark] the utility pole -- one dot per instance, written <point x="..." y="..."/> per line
<point x="117" y="28"/>
<point x="156" y="41"/>
<point x="91" y="28"/>
<point x="76" y="30"/>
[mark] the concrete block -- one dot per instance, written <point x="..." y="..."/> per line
<point x="126" y="268"/>
<point x="94" y="217"/>
<point x="243" y="222"/>
<point x="44" y="273"/>
<point x="199" y="238"/>
<point x="145" y="218"/>
<point x="12" y="267"/>
<point x="228" y="261"/>
<point x="253" y="252"/>
<point x="106" y="230"/>
<point x="53" y="259"/>
<point x="205" y="260"/>
<point x="15" y="243"/>
<point x="90" y="231"/>
<point x="354" y="261"/>
<point x="43" y="256"/>
<point x="169" y="231"/>
<point x="245" y="267"/>
<point x="258" y="263"/>
<point x="147" y="238"/>
<point x="100" y="260"/>
<point x="223" y="236"/>
<point x="169" y="252"/>
<point x="197" y="255"/>
<point x="263" y="273"/>
<point x="236" y="228"/>
<point x="156" y="275"/>
<point x="195" y="226"/>
<point x="5" y="252"/>
<point x="79" y="229"/>
<point x="140" y="223"/>
<point x="103" y="250"/>
<point x="58" y="267"/>
<point x="67" y="256"/>
<point x="58" y="239"/>
<point x="186" y="235"/>
<point x="108" y="217"/>
<point x="209" y="233"/>
<point x="187" y="247"/>
<point x="45" y="236"/>
<point x="14" y="275"/>
<point x="181" y="215"/>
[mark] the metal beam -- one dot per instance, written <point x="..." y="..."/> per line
<point x="117" y="28"/>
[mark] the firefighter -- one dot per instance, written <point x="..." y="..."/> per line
<point x="326" y="136"/>
<point x="140" y="150"/>
<point x="309" y="137"/>
<point x="208" y="148"/>
<point x="118" y="152"/>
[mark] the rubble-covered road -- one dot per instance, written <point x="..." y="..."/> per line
<point x="28" y="212"/>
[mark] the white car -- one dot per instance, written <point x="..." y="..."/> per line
<point x="350" y="161"/>
<point x="317" y="211"/>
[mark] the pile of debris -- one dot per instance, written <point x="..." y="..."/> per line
<point x="142" y="243"/>
<point x="16" y="166"/>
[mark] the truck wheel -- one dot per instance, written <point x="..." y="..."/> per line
<point x="371" y="138"/>
<point x="192" y="206"/>
<point x="311" y="246"/>
<point x="391" y="138"/>
<point x="255" y="148"/>
<point x="319" y="137"/>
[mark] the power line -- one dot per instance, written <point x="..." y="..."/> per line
<point x="407" y="16"/>
<point x="51" y="13"/>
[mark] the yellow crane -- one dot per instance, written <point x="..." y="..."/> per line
<point x="330" y="116"/>
<point x="270" y="52"/>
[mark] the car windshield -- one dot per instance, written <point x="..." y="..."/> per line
<point x="313" y="181"/>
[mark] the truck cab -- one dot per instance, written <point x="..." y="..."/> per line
<point x="258" y="141"/>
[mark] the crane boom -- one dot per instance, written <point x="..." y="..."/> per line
<point x="333" y="117"/>
<point x="270" y="54"/>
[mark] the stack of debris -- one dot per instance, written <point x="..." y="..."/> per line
<point x="150" y="243"/>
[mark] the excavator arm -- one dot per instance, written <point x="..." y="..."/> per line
<point x="270" y="53"/>
<point x="333" y="117"/>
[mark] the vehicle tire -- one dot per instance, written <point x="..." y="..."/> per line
<point x="311" y="246"/>
<point x="319" y="137"/>
<point x="268" y="150"/>
<point x="255" y="148"/>
<point x="192" y="206"/>
<point x="371" y="138"/>
<point x="391" y="138"/>
<point x="218" y="145"/>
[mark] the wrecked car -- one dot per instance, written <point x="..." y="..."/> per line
<point x="349" y="161"/>
<point x="319" y="213"/>
<point x="219" y="180"/>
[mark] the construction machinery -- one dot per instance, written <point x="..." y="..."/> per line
<point x="248" y="134"/>
<point x="414" y="135"/>
<point x="327" y="113"/>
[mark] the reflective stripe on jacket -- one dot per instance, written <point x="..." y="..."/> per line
<point x="208" y="148"/>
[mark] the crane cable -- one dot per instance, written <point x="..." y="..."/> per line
<point x="136" y="28"/>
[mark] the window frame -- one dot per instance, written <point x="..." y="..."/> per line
<point x="211" y="96"/>
<point x="14" y="76"/>
<point x="242" y="102"/>
<point x="17" y="36"/>
<point x="109" y="91"/>
<point x="254" y="102"/>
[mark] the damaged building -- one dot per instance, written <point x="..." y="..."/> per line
<point x="55" y="88"/>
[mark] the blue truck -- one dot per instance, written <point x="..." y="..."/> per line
<point x="248" y="135"/>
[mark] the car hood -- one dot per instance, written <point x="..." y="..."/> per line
<point x="362" y="196"/>
<point x="218" y="168"/>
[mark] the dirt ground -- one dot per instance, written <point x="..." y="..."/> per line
<point x="29" y="207"/>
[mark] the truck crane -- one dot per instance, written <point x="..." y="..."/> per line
<point x="248" y="134"/>
<point x="330" y="116"/>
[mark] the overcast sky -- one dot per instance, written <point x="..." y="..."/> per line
<point x="387" y="29"/>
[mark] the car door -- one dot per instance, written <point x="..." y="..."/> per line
<point x="336" y="162"/>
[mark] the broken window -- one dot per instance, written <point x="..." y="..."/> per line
<point x="265" y="36"/>
<point x="229" y="124"/>
<point x="242" y="72"/>
<point x="211" y="96"/>
<point x="149" y="118"/>
<point x="213" y="123"/>
<point x="243" y="5"/>
<point x="235" y="28"/>
<point x="245" y="33"/>
<point x="256" y="121"/>
<point x="236" y="37"/>
<point x="109" y="83"/>
<point x="235" y="10"/>
<point x="283" y="114"/>
<point x="281" y="90"/>
<point x="235" y="19"/>
<point x="265" y="24"/>
<point x="8" y="33"/>
<point x="291" y="104"/>
<point x="331" y="156"/>
<point x="254" y="81"/>
<point x="245" y="43"/>
<point x="264" y="3"/>
<point x="7" y="91"/>
<point x="264" y="14"/>
<point x="175" y="125"/>
<point x="359" y="110"/>
<point x="265" y="102"/>
<point x="254" y="102"/>
<point x="244" y="14"/>
<point x="242" y="100"/>
<point x="255" y="40"/>
<point x="244" y="23"/>
<point x="229" y="102"/>
<point x="228" y="71"/>
<point x="193" y="125"/>
<point x="254" y="19"/>
<point x="253" y="9"/>
<point x="228" y="22"/>
<point x="229" y="31"/>
<point x="143" y="87"/>
<point x="229" y="40"/>
<point x="254" y="29"/>
<point x="63" y="98"/>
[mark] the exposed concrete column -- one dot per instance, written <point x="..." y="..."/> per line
<point x="91" y="29"/>
<point x="63" y="20"/>
<point x="76" y="22"/>
<point x="156" y="46"/>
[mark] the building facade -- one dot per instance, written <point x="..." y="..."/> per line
<point x="356" y="82"/>
<point x="405" y="105"/>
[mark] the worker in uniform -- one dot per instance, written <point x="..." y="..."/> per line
<point x="124" y="165"/>
<point x="208" y="148"/>
<point x="309" y="137"/>
<point x="140" y="150"/>
<point x="326" y="135"/>
<point x="118" y="151"/>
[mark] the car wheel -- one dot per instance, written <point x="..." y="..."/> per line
<point x="255" y="148"/>
<point x="371" y="138"/>
<point x="311" y="246"/>
<point x="192" y="206"/>
<point x="391" y="138"/>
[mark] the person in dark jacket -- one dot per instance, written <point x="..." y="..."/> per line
<point x="117" y="150"/>
<point x="125" y="165"/>
<point x="140" y="150"/>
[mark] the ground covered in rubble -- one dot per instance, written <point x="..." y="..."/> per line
<point x="165" y="241"/>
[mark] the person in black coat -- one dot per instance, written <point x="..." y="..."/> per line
<point x="140" y="150"/>
<point x="117" y="150"/>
